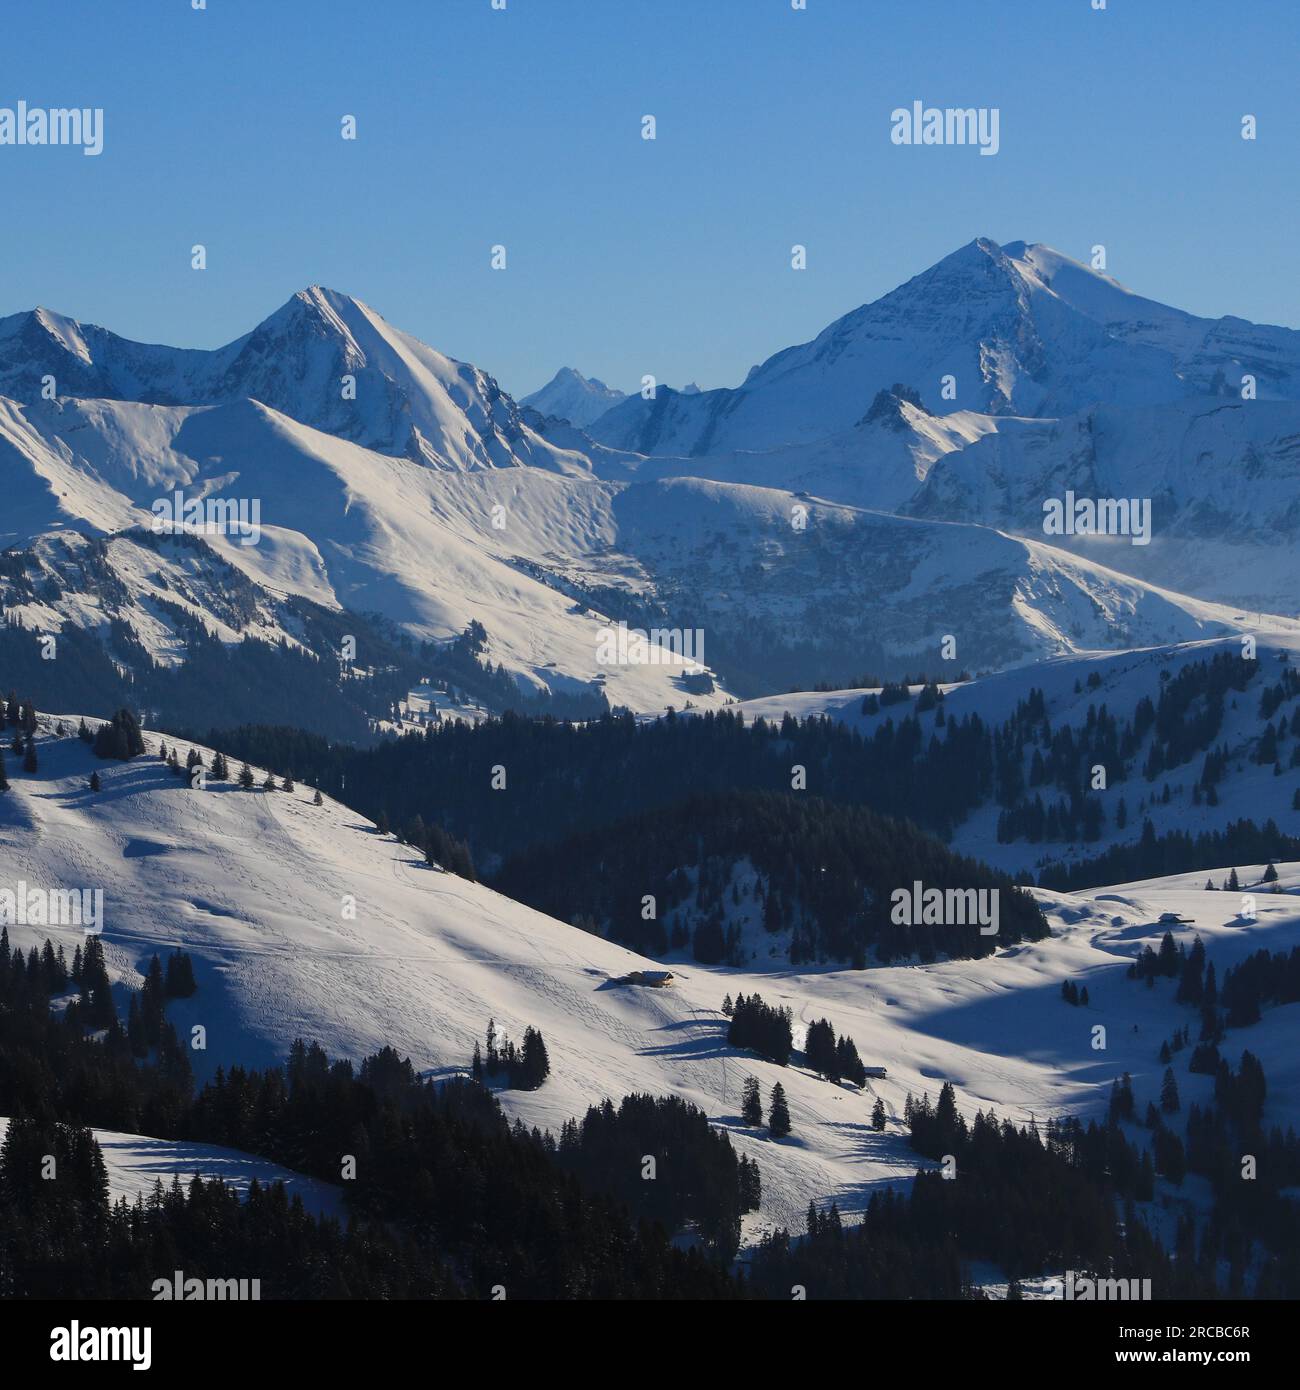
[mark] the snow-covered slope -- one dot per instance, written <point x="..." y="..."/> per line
<point x="135" y="1161"/>
<point x="573" y="397"/>
<point x="260" y="888"/>
<point x="1223" y="477"/>
<point x="1020" y="330"/>
<point x="1071" y="685"/>
<point x="546" y="559"/>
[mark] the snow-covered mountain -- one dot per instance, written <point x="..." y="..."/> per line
<point x="573" y="397"/>
<point x="1018" y="329"/>
<point x="322" y="359"/>
<point x="256" y="886"/>
<point x="834" y="510"/>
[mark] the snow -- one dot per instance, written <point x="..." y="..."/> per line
<point x="135" y="1161"/>
<point x="571" y="396"/>
<point x="1247" y="791"/>
<point x="255" y="886"/>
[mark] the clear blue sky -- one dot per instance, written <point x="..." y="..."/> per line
<point x="625" y="256"/>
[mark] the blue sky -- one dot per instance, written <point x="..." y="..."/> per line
<point x="626" y="256"/>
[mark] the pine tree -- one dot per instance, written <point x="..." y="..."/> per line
<point x="878" y="1115"/>
<point x="269" y="784"/>
<point x="1234" y="884"/>
<point x="318" y="799"/>
<point x="94" y="781"/>
<point x="751" y="1106"/>
<point x="778" y="1113"/>
<point x="534" y="1064"/>
<point x="1270" y="873"/>
<point x="246" y="778"/>
<point x="287" y="783"/>
<point x="1169" y="1093"/>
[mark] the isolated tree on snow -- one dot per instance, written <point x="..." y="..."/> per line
<point x="246" y="777"/>
<point x="94" y="781"/>
<point x="751" y="1106"/>
<point x="269" y="784"/>
<point x="318" y="799"/>
<point x="1234" y="884"/>
<point x="287" y="783"/>
<point x="1270" y="873"/>
<point x="878" y="1115"/>
<point x="534" y="1064"/>
<point x="778" y="1113"/>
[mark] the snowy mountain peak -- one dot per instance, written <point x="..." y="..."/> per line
<point x="1005" y="330"/>
<point x="573" y="397"/>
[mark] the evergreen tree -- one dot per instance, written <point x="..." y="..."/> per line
<point x="751" y="1106"/>
<point x="534" y="1063"/>
<point x="878" y="1115"/>
<point x="1169" y="1093"/>
<point x="778" y="1113"/>
<point x="94" y="781"/>
<point x="246" y="778"/>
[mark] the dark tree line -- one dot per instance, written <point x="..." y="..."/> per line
<point x="827" y="873"/>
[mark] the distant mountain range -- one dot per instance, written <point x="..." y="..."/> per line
<point x="855" y="501"/>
